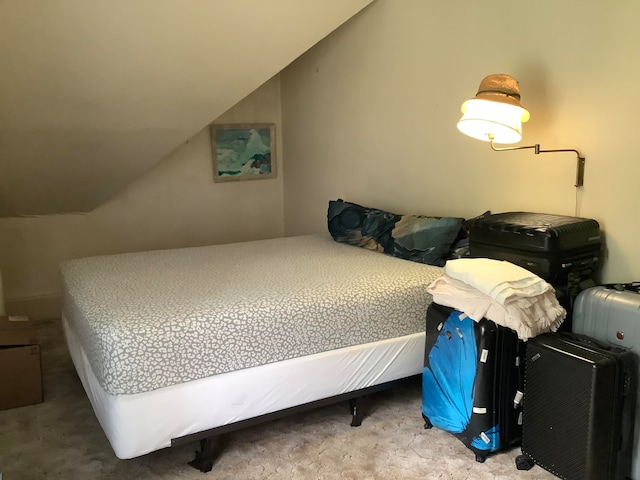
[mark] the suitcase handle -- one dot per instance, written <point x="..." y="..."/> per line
<point x="624" y="287"/>
<point x="588" y="340"/>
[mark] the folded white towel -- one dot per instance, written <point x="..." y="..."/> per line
<point x="501" y="280"/>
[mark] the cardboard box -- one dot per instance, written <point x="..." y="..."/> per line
<point x="20" y="363"/>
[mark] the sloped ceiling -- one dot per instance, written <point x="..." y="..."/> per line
<point x="94" y="92"/>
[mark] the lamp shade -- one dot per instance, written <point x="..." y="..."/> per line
<point x="495" y="114"/>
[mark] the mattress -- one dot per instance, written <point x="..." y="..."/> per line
<point x="131" y="424"/>
<point x="152" y="320"/>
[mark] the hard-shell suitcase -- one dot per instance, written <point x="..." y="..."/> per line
<point x="551" y="246"/>
<point x="472" y="380"/>
<point x="578" y="407"/>
<point x="612" y="314"/>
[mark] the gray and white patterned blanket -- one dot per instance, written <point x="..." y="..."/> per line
<point x="153" y="319"/>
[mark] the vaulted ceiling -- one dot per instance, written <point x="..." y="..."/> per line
<point x="94" y="92"/>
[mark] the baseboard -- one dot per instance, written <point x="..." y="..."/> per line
<point x="42" y="307"/>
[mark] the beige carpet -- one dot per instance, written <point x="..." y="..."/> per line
<point x="61" y="439"/>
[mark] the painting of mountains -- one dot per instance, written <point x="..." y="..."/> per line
<point x="243" y="152"/>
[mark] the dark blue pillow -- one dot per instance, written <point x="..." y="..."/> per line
<point x="412" y="237"/>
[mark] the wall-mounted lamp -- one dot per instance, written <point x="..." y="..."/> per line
<point x="496" y="116"/>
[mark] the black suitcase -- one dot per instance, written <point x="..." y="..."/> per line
<point x="473" y="380"/>
<point x="579" y="404"/>
<point x="551" y="246"/>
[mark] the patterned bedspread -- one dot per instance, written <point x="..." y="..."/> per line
<point x="153" y="319"/>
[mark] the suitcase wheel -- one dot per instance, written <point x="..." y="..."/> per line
<point x="524" y="462"/>
<point x="427" y="422"/>
<point x="480" y="458"/>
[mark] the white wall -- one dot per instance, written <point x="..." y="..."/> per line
<point x="176" y="204"/>
<point x="369" y="114"/>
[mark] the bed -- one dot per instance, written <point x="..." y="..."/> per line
<point x="210" y="338"/>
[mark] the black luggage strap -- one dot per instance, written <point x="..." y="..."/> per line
<point x="573" y="284"/>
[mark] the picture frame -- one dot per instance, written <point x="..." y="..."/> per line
<point x="243" y="151"/>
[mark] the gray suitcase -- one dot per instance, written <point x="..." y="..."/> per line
<point x="612" y="314"/>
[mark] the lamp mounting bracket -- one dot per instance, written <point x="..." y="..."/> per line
<point x="537" y="150"/>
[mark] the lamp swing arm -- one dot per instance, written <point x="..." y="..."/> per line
<point x="579" y="162"/>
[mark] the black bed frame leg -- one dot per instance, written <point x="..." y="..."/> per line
<point x="357" y="411"/>
<point x="205" y="456"/>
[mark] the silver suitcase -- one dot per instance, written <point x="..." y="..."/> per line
<point x="612" y="314"/>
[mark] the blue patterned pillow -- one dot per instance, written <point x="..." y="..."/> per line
<point x="412" y="237"/>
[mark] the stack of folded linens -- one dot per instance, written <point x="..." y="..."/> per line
<point x="503" y="292"/>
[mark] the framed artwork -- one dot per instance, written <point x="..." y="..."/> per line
<point x="243" y="152"/>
